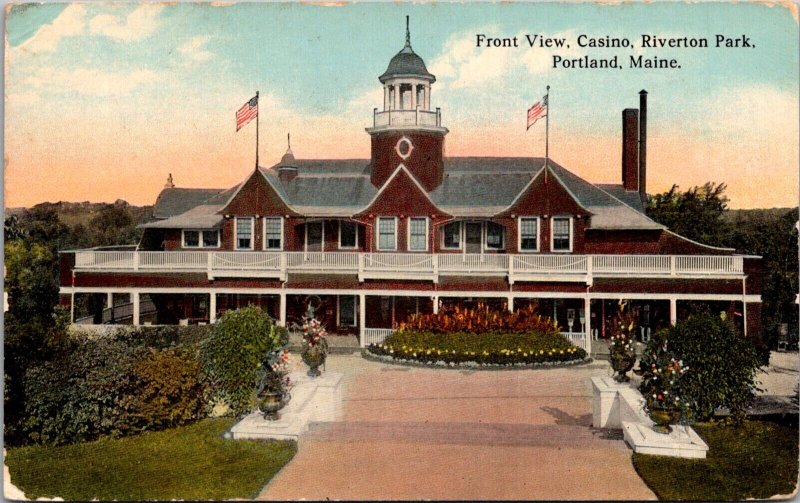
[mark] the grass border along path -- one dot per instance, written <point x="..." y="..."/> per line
<point x="191" y="463"/>
<point x="756" y="460"/>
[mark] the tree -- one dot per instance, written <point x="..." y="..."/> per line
<point x="695" y="214"/>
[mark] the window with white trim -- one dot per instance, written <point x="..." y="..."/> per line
<point x="244" y="233"/>
<point x="562" y="234"/>
<point x="418" y="234"/>
<point x="348" y="234"/>
<point x="387" y="233"/>
<point x="452" y="236"/>
<point x="494" y="236"/>
<point x="529" y="234"/>
<point x="201" y="239"/>
<point x="347" y="310"/>
<point x="273" y="233"/>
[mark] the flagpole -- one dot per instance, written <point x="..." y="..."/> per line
<point x="547" y="135"/>
<point x="257" y="121"/>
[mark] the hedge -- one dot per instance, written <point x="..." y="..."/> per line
<point x="483" y="349"/>
<point x="109" y="386"/>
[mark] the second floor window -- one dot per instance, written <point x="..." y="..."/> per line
<point x="387" y="233"/>
<point x="562" y="234"/>
<point x="417" y="234"/>
<point x="201" y="239"/>
<point x="244" y="233"/>
<point x="529" y="234"/>
<point x="452" y="236"/>
<point x="273" y="233"/>
<point x="348" y="234"/>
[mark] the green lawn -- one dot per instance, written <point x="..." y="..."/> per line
<point x="757" y="460"/>
<point x="192" y="463"/>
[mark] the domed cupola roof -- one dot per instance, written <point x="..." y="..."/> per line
<point x="406" y="63"/>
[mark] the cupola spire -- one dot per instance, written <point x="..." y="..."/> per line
<point x="408" y="34"/>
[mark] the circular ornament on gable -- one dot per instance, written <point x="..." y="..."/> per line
<point x="404" y="148"/>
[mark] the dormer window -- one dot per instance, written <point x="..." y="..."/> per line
<point x="561" y="234"/>
<point x="244" y="233"/>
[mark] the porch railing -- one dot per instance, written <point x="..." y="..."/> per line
<point x="523" y="267"/>
<point x="577" y="339"/>
<point x="414" y="117"/>
<point x="375" y="335"/>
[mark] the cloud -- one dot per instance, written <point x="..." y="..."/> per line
<point x="195" y="50"/>
<point x="138" y="25"/>
<point x="464" y="65"/>
<point x="93" y="82"/>
<point x="69" y="23"/>
<point x="23" y="98"/>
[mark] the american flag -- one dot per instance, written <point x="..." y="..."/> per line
<point x="536" y="112"/>
<point x="247" y="112"/>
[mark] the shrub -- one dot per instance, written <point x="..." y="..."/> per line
<point x="484" y="348"/>
<point x="481" y="320"/>
<point x="234" y="353"/>
<point x="80" y="397"/>
<point x="169" y="390"/>
<point x="722" y="364"/>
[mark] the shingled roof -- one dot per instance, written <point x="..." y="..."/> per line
<point x="472" y="187"/>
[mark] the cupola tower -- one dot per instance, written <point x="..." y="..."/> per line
<point x="407" y="131"/>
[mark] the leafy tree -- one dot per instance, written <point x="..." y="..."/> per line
<point x="695" y="213"/>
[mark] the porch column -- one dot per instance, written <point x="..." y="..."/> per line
<point x="587" y="336"/>
<point x="72" y="307"/>
<point x="435" y="304"/>
<point x="135" y="301"/>
<point x="109" y="300"/>
<point x="510" y="303"/>
<point x="282" y="310"/>
<point x="212" y="307"/>
<point x="673" y="310"/>
<point x="362" y="319"/>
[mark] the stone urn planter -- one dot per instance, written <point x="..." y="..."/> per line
<point x="664" y="418"/>
<point x="622" y="362"/>
<point x="315" y="356"/>
<point x="270" y="402"/>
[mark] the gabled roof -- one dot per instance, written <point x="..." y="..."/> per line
<point x="203" y="216"/>
<point x="471" y="187"/>
<point x="174" y="201"/>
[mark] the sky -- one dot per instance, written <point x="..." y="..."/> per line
<point x="104" y="100"/>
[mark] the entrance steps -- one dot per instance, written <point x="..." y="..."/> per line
<point x="337" y="344"/>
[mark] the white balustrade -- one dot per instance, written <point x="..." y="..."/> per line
<point x="412" y="264"/>
<point x="708" y="264"/>
<point x="631" y="264"/>
<point x="576" y="339"/>
<point x="399" y="262"/>
<point x="550" y="264"/>
<point x="173" y="260"/>
<point x="376" y="335"/>
<point x="473" y="262"/>
<point x="239" y="261"/>
<point x="320" y="261"/>
<point x="406" y="118"/>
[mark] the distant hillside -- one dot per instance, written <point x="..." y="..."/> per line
<point x="72" y="214"/>
<point x="761" y="214"/>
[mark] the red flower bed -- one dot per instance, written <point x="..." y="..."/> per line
<point x="479" y="320"/>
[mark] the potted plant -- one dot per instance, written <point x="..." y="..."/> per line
<point x="315" y="346"/>
<point x="662" y="372"/>
<point x="621" y="352"/>
<point x="272" y="392"/>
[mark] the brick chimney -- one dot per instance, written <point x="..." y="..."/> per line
<point x="643" y="145"/>
<point x="630" y="149"/>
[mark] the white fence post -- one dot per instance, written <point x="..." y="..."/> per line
<point x="587" y="334"/>
<point x="212" y="304"/>
<point x="362" y="319"/>
<point x="135" y="301"/>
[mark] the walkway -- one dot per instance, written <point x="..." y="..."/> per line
<point x="415" y="433"/>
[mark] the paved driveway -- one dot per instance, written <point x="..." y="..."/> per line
<point x="410" y="433"/>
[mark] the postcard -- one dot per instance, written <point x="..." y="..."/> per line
<point x="401" y="251"/>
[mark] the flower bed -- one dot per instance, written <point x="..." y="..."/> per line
<point x="489" y="349"/>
